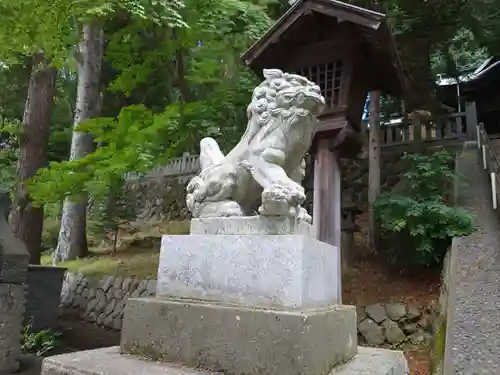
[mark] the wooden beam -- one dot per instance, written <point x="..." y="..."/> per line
<point x="271" y="36"/>
<point x="345" y="15"/>
<point x="327" y="205"/>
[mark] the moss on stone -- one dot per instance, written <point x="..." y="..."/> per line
<point x="438" y="345"/>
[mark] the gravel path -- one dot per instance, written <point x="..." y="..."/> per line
<point x="473" y="342"/>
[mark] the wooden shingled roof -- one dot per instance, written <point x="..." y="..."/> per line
<point x="308" y="20"/>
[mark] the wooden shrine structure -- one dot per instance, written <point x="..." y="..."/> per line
<point x="348" y="51"/>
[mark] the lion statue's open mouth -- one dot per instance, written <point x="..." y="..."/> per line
<point x="268" y="160"/>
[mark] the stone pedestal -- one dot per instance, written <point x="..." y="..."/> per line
<point x="13" y="269"/>
<point x="240" y="340"/>
<point x="252" y="296"/>
<point x="282" y="271"/>
<point x="109" y="361"/>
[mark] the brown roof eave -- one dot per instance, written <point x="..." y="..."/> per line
<point x="333" y="8"/>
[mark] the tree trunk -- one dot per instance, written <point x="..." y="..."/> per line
<point x="27" y="220"/>
<point x="72" y="241"/>
<point x="373" y="166"/>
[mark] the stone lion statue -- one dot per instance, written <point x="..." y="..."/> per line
<point x="267" y="165"/>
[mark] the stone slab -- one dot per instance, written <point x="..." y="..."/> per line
<point x="12" y="303"/>
<point x="239" y="340"/>
<point x="292" y="271"/>
<point x="109" y="361"/>
<point x="251" y="225"/>
<point x="14" y="256"/>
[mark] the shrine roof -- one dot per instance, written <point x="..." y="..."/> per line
<point x="300" y="26"/>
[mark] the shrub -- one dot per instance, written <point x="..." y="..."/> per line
<point x="39" y="343"/>
<point x="418" y="223"/>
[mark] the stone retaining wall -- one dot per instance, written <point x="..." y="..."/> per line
<point x="393" y="324"/>
<point x="102" y="302"/>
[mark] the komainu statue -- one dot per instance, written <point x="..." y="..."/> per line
<point x="267" y="165"/>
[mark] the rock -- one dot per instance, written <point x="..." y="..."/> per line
<point x="133" y="286"/>
<point x="106" y="283"/>
<point x="360" y="314"/>
<point x="118" y="293"/>
<point x="425" y="322"/>
<point x="410" y="328"/>
<point x="91" y="305"/>
<point x="393" y="333"/>
<point x="420" y="338"/>
<point x="100" y="319"/>
<point x="395" y="311"/>
<point x="151" y="288"/>
<point x="141" y="288"/>
<point x="101" y="305"/>
<point x="79" y="289"/>
<point x="110" y="307"/>
<point x="91" y="294"/>
<point x="376" y="312"/>
<point x="108" y="322"/>
<point x="101" y="297"/>
<point x="413" y="314"/>
<point x="372" y="332"/>
<point x="361" y="339"/>
<point x="120" y="306"/>
<point x="80" y="302"/>
<point x="126" y="284"/>
<point x="117" y="323"/>
<point x="118" y="282"/>
<point x="433" y="307"/>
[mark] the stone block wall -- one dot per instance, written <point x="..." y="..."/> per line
<point x="393" y="324"/>
<point x="103" y="301"/>
<point x="439" y="324"/>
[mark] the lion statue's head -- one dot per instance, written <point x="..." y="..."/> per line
<point x="284" y="94"/>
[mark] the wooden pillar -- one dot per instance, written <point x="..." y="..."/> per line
<point x="327" y="204"/>
<point x="373" y="167"/>
<point x="471" y="120"/>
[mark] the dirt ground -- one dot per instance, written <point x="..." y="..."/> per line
<point x="370" y="279"/>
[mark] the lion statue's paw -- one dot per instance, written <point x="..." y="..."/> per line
<point x="279" y="200"/>
<point x="304" y="215"/>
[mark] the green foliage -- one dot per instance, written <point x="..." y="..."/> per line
<point x="137" y="140"/>
<point x="417" y="225"/>
<point x="459" y="54"/>
<point x="107" y="215"/>
<point x="39" y="343"/>
<point x="8" y="155"/>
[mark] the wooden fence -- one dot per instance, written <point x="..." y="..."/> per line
<point x="444" y="131"/>
<point x="489" y="147"/>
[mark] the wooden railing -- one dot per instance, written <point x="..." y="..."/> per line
<point x="446" y="129"/>
<point x="491" y="161"/>
<point x="183" y="166"/>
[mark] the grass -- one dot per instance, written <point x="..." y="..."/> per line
<point x="136" y="256"/>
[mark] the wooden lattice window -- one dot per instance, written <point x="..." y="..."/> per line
<point x="327" y="77"/>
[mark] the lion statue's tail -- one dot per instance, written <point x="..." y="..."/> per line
<point x="210" y="153"/>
